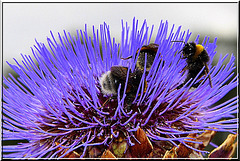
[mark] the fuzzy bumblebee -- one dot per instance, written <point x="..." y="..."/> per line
<point x="196" y="57"/>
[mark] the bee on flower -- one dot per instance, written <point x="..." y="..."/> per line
<point x="101" y="99"/>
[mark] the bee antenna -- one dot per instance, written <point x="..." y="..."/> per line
<point x="180" y="51"/>
<point x="178" y="41"/>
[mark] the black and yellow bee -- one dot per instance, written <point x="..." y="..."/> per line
<point x="196" y="57"/>
<point x="150" y="50"/>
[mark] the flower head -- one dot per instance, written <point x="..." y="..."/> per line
<point x="59" y="109"/>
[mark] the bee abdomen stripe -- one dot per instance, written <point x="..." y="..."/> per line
<point x="199" y="49"/>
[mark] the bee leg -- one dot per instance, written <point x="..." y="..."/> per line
<point x="106" y="102"/>
<point x="210" y="81"/>
<point x="185" y="68"/>
<point x="180" y="86"/>
<point x="128" y="102"/>
<point x="185" y="81"/>
<point x="196" y="85"/>
<point x="128" y="107"/>
<point x="206" y="72"/>
<point x="209" y="77"/>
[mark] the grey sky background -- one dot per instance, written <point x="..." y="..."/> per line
<point x="25" y="22"/>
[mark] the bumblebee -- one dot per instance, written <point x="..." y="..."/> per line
<point x="117" y="75"/>
<point x="196" y="57"/>
<point x="151" y="51"/>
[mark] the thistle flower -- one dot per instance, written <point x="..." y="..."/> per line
<point x="57" y="108"/>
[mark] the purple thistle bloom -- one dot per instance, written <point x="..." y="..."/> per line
<point x="56" y="107"/>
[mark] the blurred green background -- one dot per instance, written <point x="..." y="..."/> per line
<point x="23" y="22"/>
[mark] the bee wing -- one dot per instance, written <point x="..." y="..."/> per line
<point x="206" y="72"/>
<point x="119" y="72"/>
